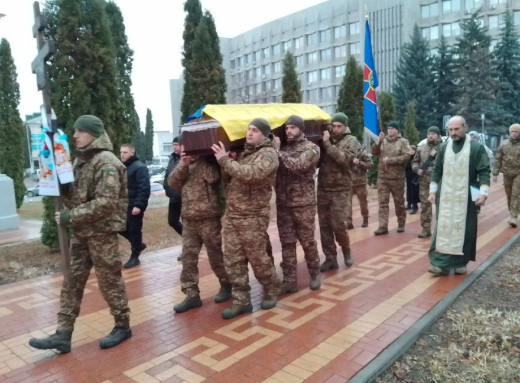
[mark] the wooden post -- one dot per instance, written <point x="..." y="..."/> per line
<point x="46" y="49"/>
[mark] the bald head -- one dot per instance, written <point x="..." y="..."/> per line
<point x="457" y="128"/>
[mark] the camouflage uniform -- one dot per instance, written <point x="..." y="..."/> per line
<point x="334" y="187"/>
<point x="391" y="177"/>
<point x="97" y="203"/>
<point x="359" y="186"/>
<point x="296" y="205"/>
<point x="199" y="182"/>
<point x="425" y="156"/>
<point x="249" y="180"/>
<point x="507" y="162"/>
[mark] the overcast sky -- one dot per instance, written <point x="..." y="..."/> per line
<point x="154" y="29"/>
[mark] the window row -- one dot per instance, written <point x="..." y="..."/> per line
<point x="450" y="6"/>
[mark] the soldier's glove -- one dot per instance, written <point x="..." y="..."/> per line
<point x="64" y="217"/>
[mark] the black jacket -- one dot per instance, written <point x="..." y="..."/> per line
<point x="174" y="194"/>
<point x="138" y="183"/>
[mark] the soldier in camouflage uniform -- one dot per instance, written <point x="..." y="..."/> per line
<point x="422" y="164"/>
<point x="296" y="203"/>
<point x="393" y="152"/>
<point x="199" y="180"/>
<point x="360" y="165"/>
<point x="507" y="162"/>
<point x="250" y="180"/>
<point x="96" y="212"/>
<point x="334" y="186"/>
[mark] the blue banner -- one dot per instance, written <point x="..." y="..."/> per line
<point x="370" y="84"/>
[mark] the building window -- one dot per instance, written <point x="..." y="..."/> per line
<point x="276" y="49"/>
<point x="312" y="57"/>
<point x="258" y="72"/>
<point x="325" y="74"/>
<point x="353" y="28"/>
<point x="299" y="61"/>
<point x="340" y="52"/>
<point x="267" y="69"/>
<point x="340" y="70"/>
<point x="494" y="22"/>
<point x="287" y="46"/>
<point x="312" y="77"/>
<point x="312" y="95"/>
<point x="340" y="31"/>
<point x="431" y="33"/>
<point x="472" y="4"/>
<point x="496" y="2"/>
<point x="354" y="48"/>
<point x="311" y="39"/>
<point x="266" y="52"/>
<point x="516" y="17"/>
<point x="325" y="54"/>
<point x="449" y="6"/>
<point x="325" y="35"/>
<point x="277" y="67"/>
<point x="325" y="94"/>
<point x="430" y="10"/>
<point x="298" y="42"/>
<point x="452" y="29"/>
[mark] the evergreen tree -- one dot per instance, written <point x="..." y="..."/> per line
<point x="410" y="130"/>
<point x="126" y="118"/>
<point x="189" y="103"/>
<point x="290" y="83"/>
<point x="12" y="129"/>
<point x="386" y="110"/>
<point x="507" y="63"/>
<point x="207" y="73"/>
<point x="414" y="79"/>
<point x="49" y="229"/>
<point x="148" y="137"/>
<point x="478" y="87"/>
<point x="444" y="88"/>
<point x="350" y="98"/>
<point x="139" y="144"/>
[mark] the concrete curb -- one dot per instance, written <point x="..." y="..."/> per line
<point x="400" y="346"/>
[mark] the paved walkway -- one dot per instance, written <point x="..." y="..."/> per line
<point x="329" y="335"/>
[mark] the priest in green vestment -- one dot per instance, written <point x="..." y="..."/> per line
<point x="459" y="186"/>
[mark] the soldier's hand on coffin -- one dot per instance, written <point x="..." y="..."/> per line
<point x="219" y="150"/>
<point x="276" y="143"/>
<point x="186" y="160"/>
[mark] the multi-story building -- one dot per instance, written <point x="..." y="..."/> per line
<point x="322" y="37"/>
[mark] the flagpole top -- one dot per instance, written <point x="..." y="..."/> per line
<point x="366" y="13"/>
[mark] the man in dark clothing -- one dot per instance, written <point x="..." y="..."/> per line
<point x="174" y="208"/>
<point x="138" y="194"/>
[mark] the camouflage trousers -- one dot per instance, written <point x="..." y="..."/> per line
<point x="245" y="241"/>
<point x="195" y="233"/>
<point x="332" y="216"/>
<point x="426" y="207"/>
<point x="512" y="187"/>
<point x="100" y="251"/>
<point x="297" y="223"/>
<point x="396" y="188"/>
<point x="361" y="192"/>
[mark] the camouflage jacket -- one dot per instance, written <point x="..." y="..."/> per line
<point x="295" y="177"/>
<point x="336" y="159"/>
<point x="507" y="158"/>
<point x="98" y="199"/>
<point x="199" y="184"/>
<point x="250" y="180"/>
<point x="359" y="171"/>
<point x="397" y="152"/>
<point x="423" y="154"/>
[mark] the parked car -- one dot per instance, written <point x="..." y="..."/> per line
<point x="156" y="189"/>
<point x="36" y="175"/>
<point x="156" y="173"/>
<point x="34" y="191"/>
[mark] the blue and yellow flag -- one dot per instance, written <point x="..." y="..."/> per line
<point x="369" y="88"/>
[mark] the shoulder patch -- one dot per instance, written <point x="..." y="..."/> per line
<point x="110" y="180"/>
<point x="316" y="150"/>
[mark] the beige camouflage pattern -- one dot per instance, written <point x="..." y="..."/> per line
<point x="332" y="213"/>
<point x="199" y="183"/>
<point x="359" y="186"/>
<point x="507" y="162"/>
<point x="97" y="201"/>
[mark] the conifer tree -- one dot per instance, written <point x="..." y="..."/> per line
<point x="410" y="130"/>
<point x="386" y="110"/>
<point x="12" y="130"/>
<point x="49" y="229"/>
<point x="350" y="98"/>
<point x="414" y="79"/>
<point x="507" y="64"/>
<point x="148" y="137"/>
<point x="290" y="83"/>
<point x="444" y="87"/>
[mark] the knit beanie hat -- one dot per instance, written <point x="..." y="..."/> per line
<point x="90" y="124"/>
<point x="262" y="125"/>
<point x="296" y="121"/>
<point x="340" y="117"/>
<point x="434" y="129"/>
<point x="393" y="124"/>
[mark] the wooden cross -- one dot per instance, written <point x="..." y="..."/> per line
<point x="46" y="49"/>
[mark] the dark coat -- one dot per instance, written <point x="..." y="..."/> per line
<point x="138" y="183"/>
<point x="173" y="194"/>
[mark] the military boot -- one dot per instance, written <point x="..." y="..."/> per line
<point x="315" y="282"/>
<point x="187" y="304"/>
<point x="512" y="221"/>
<point x="60" y="341"/>
<point x="223" y="294"/>
<point x="236" y="310"/>
<point x="350" y="226"/>
<point x="347" y="256"/>
<point x="381" y="230"/>
<point x="269" y="302"/>
<point x="288" y="288"/>
<point x="365" y="222"/>
<point x="132" y="262"/>
<point x="400" y="229"/>
<point x="329" y="264"/>
<point x="425" y="233"/>
<point x="116" y="336"/>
